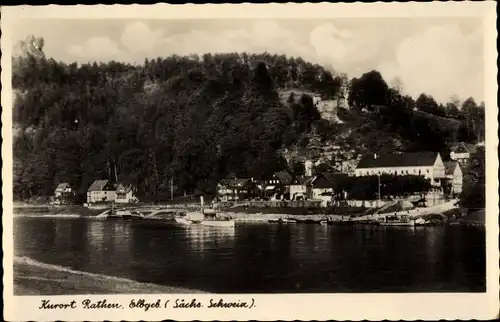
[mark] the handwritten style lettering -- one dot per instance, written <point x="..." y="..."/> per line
<point x="222" y="304"/>
<point x="47" y="305"/>
<point x="180" y="303"/>
<point x="142" y="304"/>
<point x="88" y="304"/>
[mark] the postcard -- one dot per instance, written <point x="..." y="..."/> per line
<point x="250" y="162"/>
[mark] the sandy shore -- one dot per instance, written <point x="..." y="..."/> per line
<point x="35" y="278"/>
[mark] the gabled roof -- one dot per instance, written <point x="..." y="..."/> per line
<point x="123" y="188"/>
<point x="305" y="181"/>
<point x="62" y="186"/>
<point x="284" y="177"/>
<point x="98" y="185"/>
<point x="234" y="183"/>
<point x="449" y="167"/>
<point x="419" y="159"/>
<point x="334" y="178"/>
<point x="463" y="148"/>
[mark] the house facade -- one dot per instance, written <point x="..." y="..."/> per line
<point x="303" y="189"/>
<point x="454" y="174"/>
<point x="325" y="186"/>
<point x="125" y="194"/>
<point x="462" y="152"/>
<point x="101" y="191"/>
<point x="427" y="164"/>
<point x="64" y="193"/>
<point x="63" y="189"/>
<point x="236" y="189"/>
<point x="280" y="183"/>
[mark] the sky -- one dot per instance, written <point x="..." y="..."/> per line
<point x="443" y="57"/>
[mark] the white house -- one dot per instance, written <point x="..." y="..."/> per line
<point x="326" y="185"/>
<point x="125" y="194"/>
<point x="462" y="152"/>
<point x="454" y="174"/>
<point x="233" y="189"/>
<point x="101" y="191"/>
<point x="63" y="189"/>
<point x="426" y="164"/>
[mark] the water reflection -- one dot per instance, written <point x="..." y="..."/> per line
<point x="263" y="257"/>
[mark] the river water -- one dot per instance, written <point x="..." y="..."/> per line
<point x="262" y="258"/>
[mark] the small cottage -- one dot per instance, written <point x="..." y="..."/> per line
<point x="236" y="189"/>
<point x="125" y="194"/>
<point x="326" y="186"/>
<point x="101" y="191"/>
<point x="63" y="189"/>
<point x="64" y="193"/>
<point x="461" y="152"/>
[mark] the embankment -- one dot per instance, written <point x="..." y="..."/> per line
<point x="56" y="211"/>
<point x="32" y="277"/>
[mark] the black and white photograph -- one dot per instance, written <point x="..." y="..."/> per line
<point x="253" y="155"/>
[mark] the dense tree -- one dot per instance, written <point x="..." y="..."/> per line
<point x="474" y="188"/>
<point x="369" y="90"/>
<point x="188" y="119"/>
<point x="193" y="120"/>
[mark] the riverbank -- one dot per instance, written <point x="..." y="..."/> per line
<point x="35" y="278"/>
<point x="55" y="211"/>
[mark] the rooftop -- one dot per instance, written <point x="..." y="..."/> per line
<point x="419" y="159"/>
<point x="98" y="185"/>
<point x="62" y="186"/>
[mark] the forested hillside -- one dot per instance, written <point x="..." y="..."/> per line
<point x="197" y="119"/>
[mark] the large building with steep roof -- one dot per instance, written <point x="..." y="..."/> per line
<point x="101" y="191"/>
<point x="427" y="164"/>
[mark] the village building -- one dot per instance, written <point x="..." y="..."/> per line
<point x="461" y="152"/>
<point x="101" y="191"/>
<point x="453" y="173"/>
<point x="125" y="194"/>
<point x="426" y="164"/>
<point x="230" y="189"/>
<point x="281" y="183"/>
<point x="303" y="190"/>
<point x="327" y="185"/>
<point x="64" y="193"/>
<point x="63" y="189"/>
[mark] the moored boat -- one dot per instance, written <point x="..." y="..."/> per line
<point x="395" y="220"/>
<point x="182" y="220"/>
<point x="131" y="215"/>
<point x="215" y="222"/>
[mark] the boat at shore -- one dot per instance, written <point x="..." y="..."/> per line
<point x="283" y="221"/>
<point x="182" y="220"/>
<point x="215" y="222"/>
<point x="395" y="220"/>
<point x="124" y="214"/>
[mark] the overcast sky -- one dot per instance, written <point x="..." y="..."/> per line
<point x="441" y="57"/>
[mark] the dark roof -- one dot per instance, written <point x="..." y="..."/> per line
<point x="284" y="177"/>
<point x="98" y="185"/>
<point x="124" y="188"/>
<point x="333" y="178"/>
<point x="449" y="167"/>
<point x="464" y="148"/>
<point x="304" y="180"/>
<point x="419" y="159"/>
<point x="235" y="183"/>
<point x="62" y="186"/>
